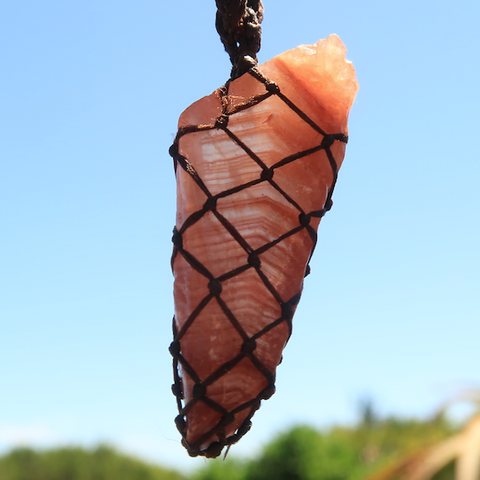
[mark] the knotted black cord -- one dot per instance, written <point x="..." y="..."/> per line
<point x="252" y="261"/>
<point x="238" y="24"/>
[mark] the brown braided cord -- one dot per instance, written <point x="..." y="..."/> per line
<point x="238" y="24"/>
<point x="251" y="262"/>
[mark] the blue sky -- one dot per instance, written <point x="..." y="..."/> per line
<point x="90" y="94"/>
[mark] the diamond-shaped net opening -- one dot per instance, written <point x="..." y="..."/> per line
<point x="217" y="317"/>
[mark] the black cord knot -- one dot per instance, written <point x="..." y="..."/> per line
<point x="287" y="310"/>
<point x="249" y="346"/>
<point x="304" y="219"/>
<point x="272" y="87"/>
<point x="221" y="122"/>
<point x="180" y="423"/>
<point x="213" y="451"/>
<point x="267" y="174"/>
<point x="328" y="141"/>
<point x="173" y="150"/>
<point x="174" y="348"/>
<point x="210" y="204"/>
<point x="215" y="287"/>
<point x="199" y="390"/>
<point x="177" y="238"/>
<point x="254" y="261"/>
<point x="244" y="64"/>
<point x="268" y="392"/>
<point x="177" y="390"/>
<point x="244" y="427"/>
<point x="227" y="419"/>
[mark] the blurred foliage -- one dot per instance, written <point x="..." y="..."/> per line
<point x="456" y="458"/>
<point x="375" y="448"/>
<point x="219" y="469"/>
<point x="340" y="453"/>
<point x="305" y="454"/>
<point x="102" y="463"/>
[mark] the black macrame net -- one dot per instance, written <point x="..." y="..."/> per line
<point x="252" y="261"/>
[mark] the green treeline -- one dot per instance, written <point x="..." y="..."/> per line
<point x="103" y="463"/>
<point x="301" y="453"/>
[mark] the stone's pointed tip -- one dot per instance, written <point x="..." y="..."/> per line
<point x="334" y="38"/>
<point x="320" y="77"/>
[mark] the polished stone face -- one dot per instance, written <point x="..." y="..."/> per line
<point x="257" y="168"/>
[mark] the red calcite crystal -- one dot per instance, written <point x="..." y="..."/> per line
<point x="256" y="163"/>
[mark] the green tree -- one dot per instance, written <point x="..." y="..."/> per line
<point x="339" y="453"/>
<point x="103" y="463"/>
<point x="303" y="453"/>
<point x="219" y="469"/>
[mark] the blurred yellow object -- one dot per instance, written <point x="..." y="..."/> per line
<point x="463" y="450"/>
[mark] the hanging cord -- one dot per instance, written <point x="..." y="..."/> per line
<point x="238" y="24"/>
